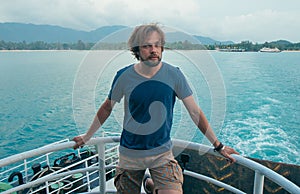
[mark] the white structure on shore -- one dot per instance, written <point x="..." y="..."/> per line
<point x="270" y="50"/>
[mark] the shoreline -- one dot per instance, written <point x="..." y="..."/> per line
<point x="113" y="50"/>
<point x="39" y="50"/>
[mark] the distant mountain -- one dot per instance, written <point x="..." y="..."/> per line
<point x="180" y="36"/>
<point x="209" y="41"/>
<point x="18" y="32"/>
<point x="281" y="42"/>
<point x="103" y="32"/>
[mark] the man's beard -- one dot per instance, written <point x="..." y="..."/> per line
<point x="150" y="63"/>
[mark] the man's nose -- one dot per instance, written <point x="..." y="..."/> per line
<point x="153" y="48"/>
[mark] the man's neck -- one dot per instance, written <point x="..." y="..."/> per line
<point x="145" y="70"/>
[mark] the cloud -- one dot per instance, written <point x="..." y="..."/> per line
<point x="259" y="25"/>
<point x="223" y="20"/>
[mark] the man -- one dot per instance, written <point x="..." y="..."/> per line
<point x="150" y="88"/>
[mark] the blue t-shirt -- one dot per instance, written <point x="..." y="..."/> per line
<point x="148" y="106"/>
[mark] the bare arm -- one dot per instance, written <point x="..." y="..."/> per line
<point x="101" y="116"/>
<point x="202" y="123"/>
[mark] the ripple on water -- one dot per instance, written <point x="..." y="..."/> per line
<point x="254" y="137"/>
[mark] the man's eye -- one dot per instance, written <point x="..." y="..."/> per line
<point x="147" y="46"/>
<point x="158" y="45"/>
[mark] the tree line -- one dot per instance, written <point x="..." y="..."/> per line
<point x="249" y="46"/>
<point x="41" y="45"/>
<point x="180" y="45"/>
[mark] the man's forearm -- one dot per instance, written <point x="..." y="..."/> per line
<point x="203" y="124"/>
<point x="101" y="116"/>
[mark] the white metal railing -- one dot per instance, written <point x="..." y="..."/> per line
<point x="44" y="159"/>
<point x="59" y="174"/>
<point x="213" y="181"/>
<point x="260" y="170"/>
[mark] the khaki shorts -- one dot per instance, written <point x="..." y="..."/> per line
<point x="167" y="176"/>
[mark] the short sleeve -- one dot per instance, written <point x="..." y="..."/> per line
<point x="182" y="87"/>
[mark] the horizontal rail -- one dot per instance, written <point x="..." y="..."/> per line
<point x="48" y="178"/>
<point x="51" y="148"/>
<point x="258" y="168"/>
<point x="213" y="181"/>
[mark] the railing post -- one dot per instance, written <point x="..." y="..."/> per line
<point x="258" y="183"/>
<point x="101" y="159"/>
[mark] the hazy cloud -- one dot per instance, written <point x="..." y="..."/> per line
<point x="236" y="20"/>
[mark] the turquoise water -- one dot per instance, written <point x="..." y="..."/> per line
<point x="252" y="99"/>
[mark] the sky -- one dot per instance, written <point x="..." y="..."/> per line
<point x="257" y="21"/>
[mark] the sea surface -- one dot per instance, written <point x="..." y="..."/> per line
<point x="250" y="98"/>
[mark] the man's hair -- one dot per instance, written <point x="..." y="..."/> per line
<point x="139" y="34"/>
